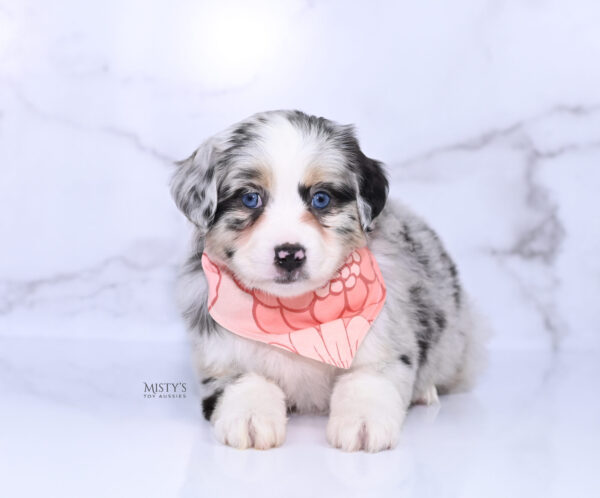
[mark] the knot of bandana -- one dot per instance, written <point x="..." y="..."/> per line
<point x="326" y="325"/>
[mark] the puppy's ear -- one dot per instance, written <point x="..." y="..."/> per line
<point x="372" y="187"/>
<point x="194" y="185"/>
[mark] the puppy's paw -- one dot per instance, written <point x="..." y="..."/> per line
<point x="354" y="432"/>
<point x="251" y="414"/>
<point x="366" y="413"/>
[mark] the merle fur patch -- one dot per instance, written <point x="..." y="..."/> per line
<point x="209" y="403"/>
<point x="404" y="358"/>
<point x="430" y="320"/>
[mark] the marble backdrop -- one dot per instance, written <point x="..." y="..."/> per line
<point x="487" y="115"/>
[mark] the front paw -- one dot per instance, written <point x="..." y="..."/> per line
<point x="355" y="432"/>
<point x="253" y="430"/>
<point x="366" y="413"/>
<point x="251" y="414"/>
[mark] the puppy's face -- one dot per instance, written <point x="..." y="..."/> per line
<point x="281" y="199"/>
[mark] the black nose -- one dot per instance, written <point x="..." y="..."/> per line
<point x="290" y="256"/>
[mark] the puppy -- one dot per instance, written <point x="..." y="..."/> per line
<point x="280" y="201"/>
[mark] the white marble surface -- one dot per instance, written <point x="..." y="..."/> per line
<point x="74" y="422"/>
<point x="487" y="115"/>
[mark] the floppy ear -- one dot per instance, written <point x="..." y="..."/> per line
<point x="372" y="187"/>
<point x="194" y="186"/>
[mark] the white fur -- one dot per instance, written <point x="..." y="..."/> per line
<point x="367" y="409"/>
<point x="251" y="414"/>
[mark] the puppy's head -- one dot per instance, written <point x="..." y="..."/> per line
<point x="281" y="199"/>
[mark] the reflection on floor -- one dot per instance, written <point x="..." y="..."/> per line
<point x="75" y="422"/>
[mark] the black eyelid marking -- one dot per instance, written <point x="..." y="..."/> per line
<point x="340" y="194"/>
<point x="304" y="193"/>
<point x="250" y="188"/>
<point x="404" y="358"/>
<point x="238" y="217"/>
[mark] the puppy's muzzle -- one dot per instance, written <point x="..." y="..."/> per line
<point x="290" y="257"/>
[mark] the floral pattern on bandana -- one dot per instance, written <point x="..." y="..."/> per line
<point x="326" y="325"/>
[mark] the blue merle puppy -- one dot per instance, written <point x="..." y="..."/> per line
<point x="424" y="342"/>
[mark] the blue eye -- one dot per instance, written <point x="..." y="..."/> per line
<point x="320" y="200"/>
<point x="252" y="200"/>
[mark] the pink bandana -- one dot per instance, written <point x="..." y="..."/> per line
<point x="326" y="325"/>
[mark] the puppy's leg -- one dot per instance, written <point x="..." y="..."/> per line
<point x="249" y="412"/>
<point x="368" y="407"/>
